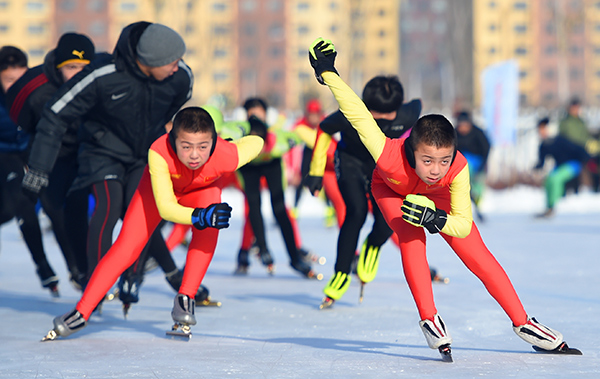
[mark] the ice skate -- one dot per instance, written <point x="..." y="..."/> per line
<point x="539" y="335"/>
<point x="203" y="298"/>
<point x="306" y="270"/>
<point x="335" y="289"/>
<point x="267" y="260"/>
<point x="243" y="263"/>
<point x="183" y="315"/>
<point x="309" y="257"/>
<point x="66" y="325"/>
<point x="436" y="278"/>
<point x="48" y="279"/>
<point x="129" y="289"/>
<point x="368" y="262"/>
<point x="437" y="336"/>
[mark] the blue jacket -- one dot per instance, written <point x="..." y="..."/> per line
<point x="12" y="138"/>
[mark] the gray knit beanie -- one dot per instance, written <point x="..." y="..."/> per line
<point x="159" y="45"/>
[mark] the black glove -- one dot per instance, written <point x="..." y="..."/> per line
<point x="322" y="57"/>
<point x="420" y="211"/>
<point x="33" y="182"/>
<point x="313" y="183"/>
<point x="214" y="216"/>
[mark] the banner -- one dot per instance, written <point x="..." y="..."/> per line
<point x="500" y="105"/>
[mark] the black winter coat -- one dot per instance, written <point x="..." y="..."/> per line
<point x="122" y="112"/>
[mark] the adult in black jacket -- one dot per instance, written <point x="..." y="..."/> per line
<point x="124" y="101"/>
<point x="26" y="100"/>
<point x="383" y="95"/>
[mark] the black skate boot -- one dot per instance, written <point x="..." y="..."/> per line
<point x="267" y="260"/>
<point x="202" y="296"/>
<point x="66" y="325"/>
<point x="306" y="270"/>
<point x="48" y="278"/>
<point x="183" y="315"/>
<point x="243" y="263"/>
<point x="129" y="291"/>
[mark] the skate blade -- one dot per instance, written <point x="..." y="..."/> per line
<point x="439" y="279"/>
<point x="51" y="336"/>
<point x="271" y="269"/>
<point x="362" y="292"/>
<point x="562" y="349"/>
<point x="446" y="353"/>
<point x="314" y="275"/>
<point x="181" y="332"/>
<point x="126" y="308"/>
<point x="321" y="260"/>
<point x="209" y="303"/>
<point x="113" y="295"/>
<point x="326" y="303"/>
<point x="54" y="291"/>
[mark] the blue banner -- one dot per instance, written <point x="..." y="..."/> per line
<point x="500" y="105"/>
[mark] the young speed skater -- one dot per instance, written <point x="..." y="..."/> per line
<point x="423" y="182"/>
<point x="178" y="185"/>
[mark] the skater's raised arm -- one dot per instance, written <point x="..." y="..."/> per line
<point x="322" y="57"/>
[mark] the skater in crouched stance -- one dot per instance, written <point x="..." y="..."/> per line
<point x="178" y="186"/>
<point x="423" y="182"/>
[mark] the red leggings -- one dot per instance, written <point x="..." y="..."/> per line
<point x="471" y="250"/>
<point x="141" y="219"/>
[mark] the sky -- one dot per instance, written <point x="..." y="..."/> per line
<point x="271" y="327"/>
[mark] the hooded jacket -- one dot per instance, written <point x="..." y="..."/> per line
<point x="121" y="109"/>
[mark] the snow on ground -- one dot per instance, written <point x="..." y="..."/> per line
<point x="270" y="327"/>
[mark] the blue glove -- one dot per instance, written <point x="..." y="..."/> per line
<point x="420" y="211"/>
<point x="214" y="216"/>
<point x="322" y="57"/>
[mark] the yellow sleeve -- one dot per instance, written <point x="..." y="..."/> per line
<point x="162" y="186"/>
<point x="357" y="113"/>
<point x="248" y="148"/>
<point x="460" y="218"/>
<point x="319" y="157"/>
<point x="306" y="134"/>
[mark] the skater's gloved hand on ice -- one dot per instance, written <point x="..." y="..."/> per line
<point x="214" y="216"/>
<point x="314" y="184"/>
<point x="33" y="182"/>
<point x="322" y="57"/>
<point x="420" y="211"/>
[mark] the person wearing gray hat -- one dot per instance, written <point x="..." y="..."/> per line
<point x="124" y="100"/>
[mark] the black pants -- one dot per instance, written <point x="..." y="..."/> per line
<point x="112" y="198"/>
<point x="68" y="213"/>
<point x="13" y="203"/>
<point x="354" y="181"/>
<point x="273" y="173"/>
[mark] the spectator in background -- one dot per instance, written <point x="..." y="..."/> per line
<point x="14" y="147"/>
<point x="569" y="159"/>
<point x="573" y="128"/>
<point x="475" y="146"/>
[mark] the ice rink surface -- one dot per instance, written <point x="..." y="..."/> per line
<point x="271" y="327"/>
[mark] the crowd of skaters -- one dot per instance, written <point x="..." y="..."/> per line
<point x="83" y="123"/>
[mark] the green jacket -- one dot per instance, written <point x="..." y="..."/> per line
<point x="574" y="129"/>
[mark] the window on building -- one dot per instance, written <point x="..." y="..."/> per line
<point x="67" y="26"/>
<point x="548" y="97"/>
<point x="248" y="5"/>
<point x="190" y="52"/>
<point x="304" y="76"/>
<point x="523" y="99"/>
<point x="98" y="28"/>
<point x="303" y="6"/>
<point x="382" y="53"/>
<point x="575" y="50"/>
<point x="549" y="74"/>
<point x="219" y="6"/>
<point x="128" y="6"/>
<point x="520" y="5"/>
<point x="36" y="29"/>
<point x="493" y="27"/>
<point x="302" y="53"/>
<point x="575" y="5"/>
<point x="382" y="33"/>
<point x="521" y="28"/>
<point x="275" y="51"/>
<point x="189" y="28"/>
<point x="250" y="51"/>
<point x="96" y="5"/>
<point x="190" y="5"/>
<point x="333" y="6"/>
<point x="67" y="5"/>
<point x="275" y="31"/>
<point x="440" y="27"/>
<point x="333" y="29"/>
<point x="550" y="28"/>
<point x="249" y="29"/>
<point x="381" y="12"/>
<point x="492" y="50"/>
<point x="550" y="49"/>
<point x="274" y="5"/>
<point x="4" y="28"/>
<point x="248" y="74"/>
<point x="276" y="75"/>
<point x="575" y="74"/>
<point x="439" y="6"/>
<point x="492" y="4"/>
<point x="220" y="76"/>
<point x="521" y="51"/>
<point x="302" y="30"/>
<point x="3" y="5"/>
<point x="219" y="53"/>
<point x="523" y="74"/>
<point x="35" y="6"/>
<point x="220" y="30"/>
<point x="36" y="52"/>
